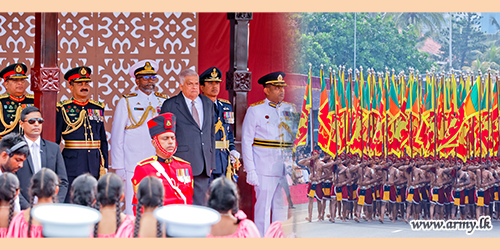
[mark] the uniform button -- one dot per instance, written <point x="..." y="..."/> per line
<point x="202" y="143"/>
<point x="201" y="132"/>
<point x="89" y="150"/>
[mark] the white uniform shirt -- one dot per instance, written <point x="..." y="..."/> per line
<point x="262" y="121"/>
<point x="130" y="146"/>
<point x="34" y="147"/>
<point x="17" y="205"/>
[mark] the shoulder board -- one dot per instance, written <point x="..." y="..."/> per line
<point x="4" y="96"/>
<point x="130" y="95"/>
<point x="147" y="160"/>
<point x="60" y="104"/>
<point x="181" y="160"/>
<point x="100" y="104"/>
<point x="224" y="101"/>
<point x="30" y="96"/>
<point x="161" y="95"/>
<point x="291" y="104"/>
<point x="257" y="103"/>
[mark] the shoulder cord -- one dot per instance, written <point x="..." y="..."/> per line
<point x="72" y="126"/>
<point x="10" y="127"/>
<point x="160" y="169"/>
<point x="143" y="117"/>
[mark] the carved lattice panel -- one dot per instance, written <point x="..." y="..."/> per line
<point x="108" y="43"/>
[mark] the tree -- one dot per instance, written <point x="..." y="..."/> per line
<point x="328" y="39"/>
<point x="467" y="38"/>
<point x="423" y="24"/>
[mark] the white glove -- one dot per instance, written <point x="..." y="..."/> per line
<point x="252" y="178"/>
<point x="234" y="155"/>
<point x="122" y="173"/>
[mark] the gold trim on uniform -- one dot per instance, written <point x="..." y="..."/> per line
<point x="222" y="144"/>
<point x="82" y="144"/>
<point x="224" y="101"/>
<point x="161" y="95"/>
<point x="257" y="103"/>
<point x="130" y="95"/>
<point x="272" y="144"/>
<point x="100" y="104"/>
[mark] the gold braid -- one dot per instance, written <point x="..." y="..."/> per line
<point x="12" y="125"/>
<point x="287" y="128"/>
<point x="72" y="126"/>
<point x="143" y="117"/>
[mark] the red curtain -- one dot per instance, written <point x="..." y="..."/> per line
<point x="266" y="49"/>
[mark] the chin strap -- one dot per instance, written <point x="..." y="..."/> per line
<point x="164" y="151"/>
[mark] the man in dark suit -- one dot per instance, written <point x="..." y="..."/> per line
<point x="195" y="131"/>
<point x="43" y="154"/>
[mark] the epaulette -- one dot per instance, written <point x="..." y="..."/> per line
<point x="30" y="96"/>
<point x="224" y="101"/>
<point x="130" y="95"/>
<point x="60" y="104"/>
<point x="4" y="96"/>
<point x="100" y="104"/>
<point x="181" y="160"/>
<point x="147" y="160"/>
<point x="161" y="95"/>
<point x="257" y="103"/>
<point x="291" y="104"/>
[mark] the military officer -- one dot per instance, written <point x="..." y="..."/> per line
<point x="129" y="135"/>
<point x="175" y="173"/>
<point x="15" y="100"/>
<point x="226" y="157"/>
<point x="80" y="122"/>
<point x="266" y="134"/>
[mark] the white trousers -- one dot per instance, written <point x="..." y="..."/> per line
<point x="129" y="193"/>
<point x="269" y="195"/>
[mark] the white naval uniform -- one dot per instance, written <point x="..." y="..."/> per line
<point x="262" y="121"/>
<point x="130" y="146"/>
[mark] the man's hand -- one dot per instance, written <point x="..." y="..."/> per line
<point x="234" y="155"/>
<point x="122" y="173"/>
<point x="252" y="178"/>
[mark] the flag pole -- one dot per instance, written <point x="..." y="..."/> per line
<point x="311" y="116"/>
<point x="333" y="84"/>
<point x="436" y="131"/>
<point x="489" y="115"/>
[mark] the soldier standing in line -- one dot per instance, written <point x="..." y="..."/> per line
<point x="80" y="122"/>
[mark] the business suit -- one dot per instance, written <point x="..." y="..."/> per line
<point x="195" y="145"/>
<point x="50" y="157"/>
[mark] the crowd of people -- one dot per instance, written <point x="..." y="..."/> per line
<point x="164" y="150"/>
<point x="374" y="188"/>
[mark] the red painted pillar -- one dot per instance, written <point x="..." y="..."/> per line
<point x="45" y="75"/>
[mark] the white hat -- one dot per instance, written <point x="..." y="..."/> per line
<point x="66" y="220"/>
<point x="187" y="220"/>
<point x="145" y="66"/>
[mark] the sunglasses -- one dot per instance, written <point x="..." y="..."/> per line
<point x="148" y="77"/>
<point x="32" y="121"/>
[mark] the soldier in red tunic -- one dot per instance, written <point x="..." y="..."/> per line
<point x="174" y="172"/>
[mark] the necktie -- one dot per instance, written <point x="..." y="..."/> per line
<point x="195" y="113"/>
<point x="34" y="156"/>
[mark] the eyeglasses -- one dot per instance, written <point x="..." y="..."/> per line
<point x="152" y="77"/>
<point x="32" y="121"/>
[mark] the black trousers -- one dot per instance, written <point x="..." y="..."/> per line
<point x="200" y="192"/>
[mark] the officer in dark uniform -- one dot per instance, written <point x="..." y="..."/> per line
<point x="80" y="122"/>
<point x="226" y="157"/>
<point x="15" y="100"/>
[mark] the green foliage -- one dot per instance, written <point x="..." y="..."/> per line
<point x="328" y="39"/>
<point x="467" y="39"/>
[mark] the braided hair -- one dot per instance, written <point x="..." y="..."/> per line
<point x="43" y="185"/>
<point x="84" y="190"/>
<point x="109" y="192"/>
<point x="149" y="194"/>
<point x="223" y="196"/>
<point x="9" y="185"/>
